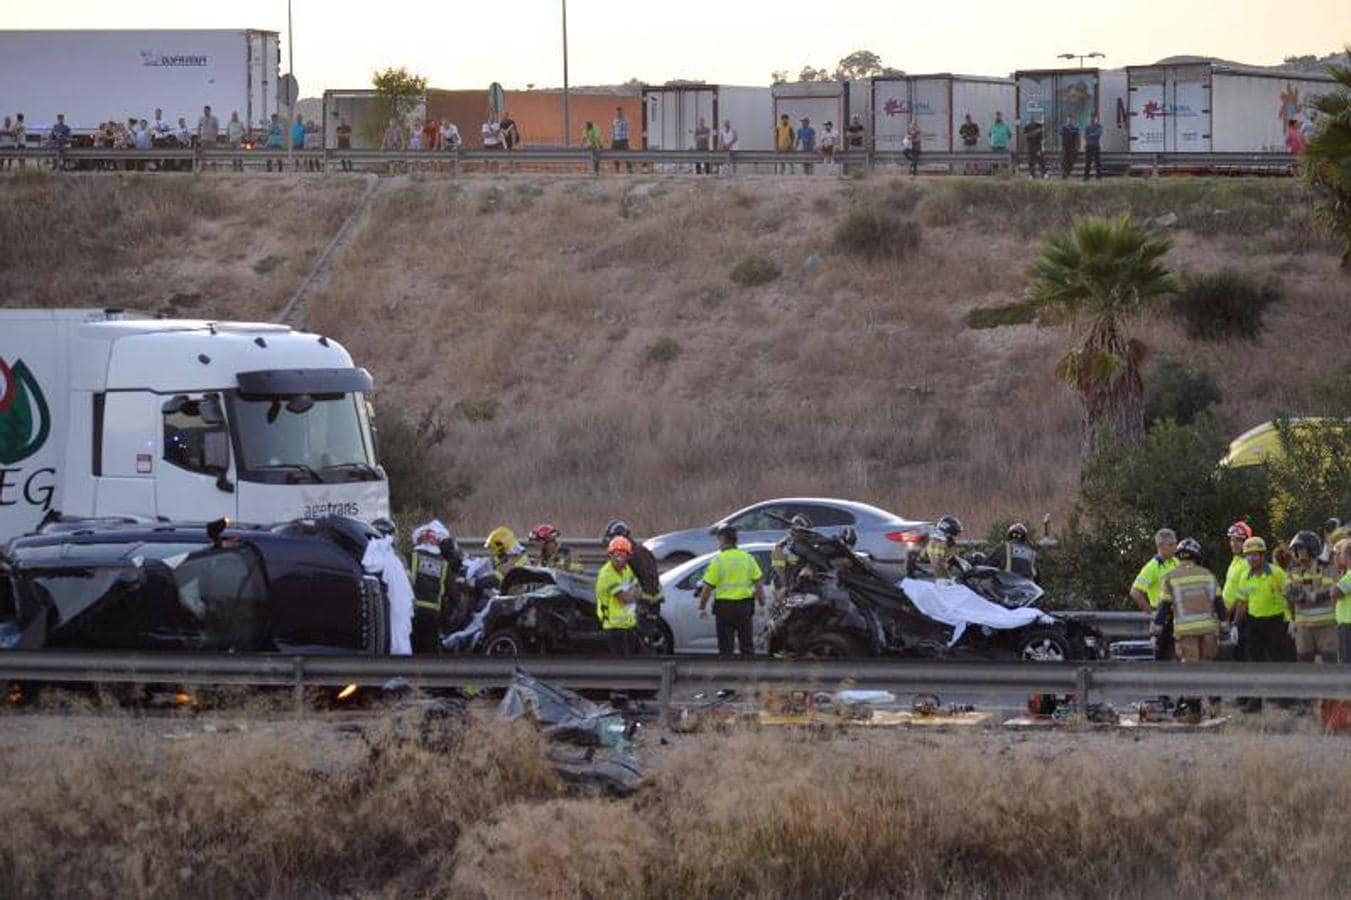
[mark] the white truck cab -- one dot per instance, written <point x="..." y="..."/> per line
<point x="108" y="413"/>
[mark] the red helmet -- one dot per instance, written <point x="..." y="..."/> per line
<point x="544" y="532"/>
<point x="1240" y="531"/>
<point x="620" y="544"/>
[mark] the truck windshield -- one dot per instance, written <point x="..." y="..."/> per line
<point x="289" y="440"/>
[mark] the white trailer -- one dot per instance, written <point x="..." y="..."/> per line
<point x="671" y="113"/>
<point x="1216" y="108"/>
<point x="109" y="414"/>
<point x="938" y="103"/>
<point x="95" y="76"/>
<point x="819" y="101"/>
<point x="1051" y="96"/>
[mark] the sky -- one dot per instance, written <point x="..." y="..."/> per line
<point x="471" y="43"/>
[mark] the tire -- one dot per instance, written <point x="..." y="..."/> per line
<point x="656" y="637"/>
<point x="1045" y="645"/>
<point x="833" y="645"/>
<point x="505" y="642"/>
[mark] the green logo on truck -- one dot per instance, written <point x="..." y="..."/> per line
<point x="25" y="420"/>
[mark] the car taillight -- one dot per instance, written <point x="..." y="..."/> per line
<point x="913" y="538"/>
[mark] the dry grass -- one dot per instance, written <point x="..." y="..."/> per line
<point x="219" y="246"/>
<point x="292" y="809"/>
<point x="841" y="376"/>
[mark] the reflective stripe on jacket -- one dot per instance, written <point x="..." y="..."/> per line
<point x="1302" y="589"/>
<point x="1191" y="590"/>
<point x="613" y="612"/>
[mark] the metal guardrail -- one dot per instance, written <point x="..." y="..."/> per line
<point x="662" y="675"/>
<point x="665" y="160"/>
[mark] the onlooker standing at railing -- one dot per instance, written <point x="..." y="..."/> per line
<point x="59" y="137"/>
<point x="208" y="130"/>
<point x="591" y="140"/>
<point x="276" y="140"/>
<point x="297" y="136"/>
<point x="345" y="143"/>
<point x="1093" y="148"/>
<point x="806" y="142"/>
<point x="1069" y="147"/>
<point x="20" y="132"/>
<point x="703" y="137"/>
<point x="1000" y="134"/>
<point x="619" y="135"/>
<point x="234" y="135"/>
<point x="728" y="140"/>
<point x="6" y="140"/>
<point x="314" y="142"/>
<point x="159" y="129"/>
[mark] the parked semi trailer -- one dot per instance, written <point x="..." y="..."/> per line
<point x="939" y="104"/>
<point x="1053" y="95"/>
<point x="819" y="101"/>
<point x="1216" y="108"/>
<point x="105" y="413"/>
<point x="671" y="112"/>
<point x="94" y="76"/>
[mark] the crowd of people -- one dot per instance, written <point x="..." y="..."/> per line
<point x="1287" y="603"/>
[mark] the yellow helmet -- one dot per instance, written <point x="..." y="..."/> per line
<point x="501" y="540"/>
<point x="1254" y="545"/>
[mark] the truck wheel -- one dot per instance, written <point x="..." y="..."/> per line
<point x="833" y="645"/>
<point x="1044" y="645"/>
<point x="507" y="642"/>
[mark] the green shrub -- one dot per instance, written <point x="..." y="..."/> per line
<point x="1021" y="313"/>
<point x="1311" y="479"/>
<point x="1172" y="479"/>
<point x="663" y="351"/>
<point x="876" y="233"/>
<point x="1224" y="306"/>
<point x="404" y="448"/>
<point x="1176" y="391"/>
<point x="755" y="268"/>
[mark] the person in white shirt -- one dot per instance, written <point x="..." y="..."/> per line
<point x="828" y="142"/>
<point x="415" y="138"/>
<point x="160" y="129"/>
<point x="728" y="139"/>
<point x="450" y="136"/>
<point x="184" y="134"/>
<point x="234" y="133"/>
<point x="492" y="135"/>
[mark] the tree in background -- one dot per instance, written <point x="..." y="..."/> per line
<point x="856" y="66"/>
<point x="398" y="93"/>
<point x="1326" y="163"/>
<point x="1098" y="275"/>
<point x="1311" y="478"/>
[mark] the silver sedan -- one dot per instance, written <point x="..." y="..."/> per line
<point x="886" y="537"/>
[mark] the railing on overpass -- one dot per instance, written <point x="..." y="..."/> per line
<point x="581" y="160"/>
<point x="662" y="676"/>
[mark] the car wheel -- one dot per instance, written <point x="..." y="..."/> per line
<point x="656" y="637"/>
<point x="507" y="642"/>
<point x="833" y="645"/>
<point x="678" y="557"/>
<point x="1044" y="645"/>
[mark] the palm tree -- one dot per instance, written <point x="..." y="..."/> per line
<point x="1098" y="275"/>
<point x="1326" y="163"/>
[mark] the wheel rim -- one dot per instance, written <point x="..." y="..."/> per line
<point x="1045" y="649"/>
<point x="826" y="650"/>
<point x="502" y="645"/>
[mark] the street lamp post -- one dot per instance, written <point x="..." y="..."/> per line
<point x="567" y="113"/>
<point x="1082" y="56"/>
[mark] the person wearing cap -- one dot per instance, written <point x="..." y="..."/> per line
<point x="732" y="578"/>
<point x="1148" y="585"/>
<point x="1341" y="595"/>
<point x="1239" y="532"/>
<point x="617" y="593"/>
<point x="1261" y="602"/>
<point x="549" y="553"/>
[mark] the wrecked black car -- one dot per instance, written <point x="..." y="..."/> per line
<point x="551" y="611"/>
<point x="841" y="605"/>
<point x="128" y="585"/>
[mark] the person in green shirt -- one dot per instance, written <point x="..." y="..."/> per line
<point x="617" y="592"/>
<point x="1238" y="567"/>
<point x="1261" y="602"/>
<point x="1148" y="586"/>
<point x="1341" y="593"/>
<point x="733" y="577"/>
<point x="999" y="134"/>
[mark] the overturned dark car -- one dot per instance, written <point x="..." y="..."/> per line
<point x="843" y="605"/>
<point x="136" y="585"/>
